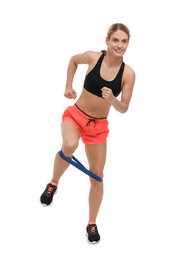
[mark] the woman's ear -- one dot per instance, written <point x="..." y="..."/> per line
<point x="106" y="40"/>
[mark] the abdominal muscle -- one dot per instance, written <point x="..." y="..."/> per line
<point x="93" y="105"/>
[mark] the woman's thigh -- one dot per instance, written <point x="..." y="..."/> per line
<point x="96" y="154"/>
<point x="70" y="133"/>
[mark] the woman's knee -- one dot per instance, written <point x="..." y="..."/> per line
<point x="69" y="147"/>
<point x="96" y="184"/>
<point x="97" y="172"/>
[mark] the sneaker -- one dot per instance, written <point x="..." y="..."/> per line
<point x="92" y="233"/>
<point x="47" y="196"/>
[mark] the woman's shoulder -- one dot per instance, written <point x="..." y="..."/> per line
<point x="93" y="54"/>
<point x="129" y="75"/>
<point x="129" y="70"/>
<point x="89" y="56"/>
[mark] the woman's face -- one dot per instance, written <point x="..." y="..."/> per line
<point x="118" y="43"/>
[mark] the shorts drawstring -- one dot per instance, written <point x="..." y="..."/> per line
<point x="91" y="120"/>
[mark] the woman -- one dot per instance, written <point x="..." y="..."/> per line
<point x="107" y="76"/>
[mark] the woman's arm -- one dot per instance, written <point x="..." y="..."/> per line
<point x="127" y="90"/>
<point x="82" y="58"/>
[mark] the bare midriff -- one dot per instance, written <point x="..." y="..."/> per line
<point x="93" y="105"/>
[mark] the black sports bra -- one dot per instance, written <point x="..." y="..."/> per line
<point x="94" y="82"/>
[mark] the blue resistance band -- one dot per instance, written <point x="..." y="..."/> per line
<point x="79" y="166"/>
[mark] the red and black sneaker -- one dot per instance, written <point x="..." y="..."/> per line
<point x="47" y="196"/>
<point x="93" y="234"/>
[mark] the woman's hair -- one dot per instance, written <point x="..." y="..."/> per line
<point x="117" y="26"/>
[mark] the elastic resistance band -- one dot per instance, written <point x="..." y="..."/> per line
<point x="79" y="166"/>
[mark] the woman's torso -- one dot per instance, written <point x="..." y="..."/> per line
<point x="90" y="101"/>
<point x="93" y="105"/>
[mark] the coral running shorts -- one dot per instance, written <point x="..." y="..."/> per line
<point x="92" y="130"/>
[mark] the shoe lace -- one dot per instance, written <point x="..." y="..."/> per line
<point x="92" y="229"/>
<point x="49" y="191"/>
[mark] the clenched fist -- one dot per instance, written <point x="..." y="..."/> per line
<point x="70" y="93"/>
<point x="107" y="94"/>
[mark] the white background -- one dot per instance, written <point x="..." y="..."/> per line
<point x="37" y="39"/>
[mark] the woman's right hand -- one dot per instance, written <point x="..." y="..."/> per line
<point x="70" y="93"/>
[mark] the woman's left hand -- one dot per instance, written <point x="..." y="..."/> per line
<point x="107" y="94"/>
